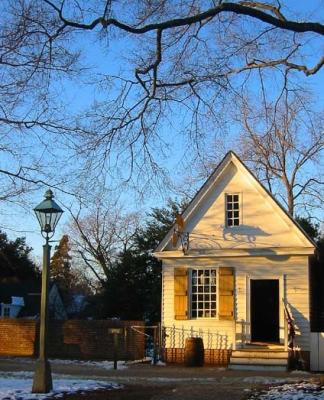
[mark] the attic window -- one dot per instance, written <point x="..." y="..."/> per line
<point x="232" y="209"/>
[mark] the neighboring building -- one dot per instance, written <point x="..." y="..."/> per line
<point x="234" y="273"/>
<point x="22" y="300"/>
<point x="56" y="307"/>
<point x="77" y="305"/>
<point x="12" y="309"/>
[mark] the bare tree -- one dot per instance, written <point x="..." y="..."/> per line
<point x="284" y="142"/>
<point x="100" y="234"/>
<point x="187" y="58"/>
<point x="181" y="61"/>
<point x="33" y="124"/>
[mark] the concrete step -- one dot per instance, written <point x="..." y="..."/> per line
<point x="260" y="353"/>
<point x="258" y="361"/>
<point x="269" y="346"/>
<point x="257" y="367"/>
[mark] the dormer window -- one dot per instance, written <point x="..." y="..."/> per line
<point x="232" y="209"/>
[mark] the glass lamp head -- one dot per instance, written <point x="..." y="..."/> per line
<point x="48" y="213"/>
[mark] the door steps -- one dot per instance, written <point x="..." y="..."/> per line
<point x="259" y="359"/>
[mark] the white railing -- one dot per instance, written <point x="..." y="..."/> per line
<point x="175" y="337"/>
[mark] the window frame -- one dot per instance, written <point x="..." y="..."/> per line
<point x="240" y="210"/>
<point x="190" y="292"/>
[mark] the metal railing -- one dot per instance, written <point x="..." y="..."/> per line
<point x="175" y="337"/>
<point x="290" y="331"/>
<point x="296" y="359"/>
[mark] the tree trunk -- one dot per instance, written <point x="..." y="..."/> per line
<point x="290" y="201"/>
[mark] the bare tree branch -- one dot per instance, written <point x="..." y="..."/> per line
<point x="181" y="66"/>
<point x="287" y="143"/>
<point x="250" y="9"/>
<point x="100" y="234"/>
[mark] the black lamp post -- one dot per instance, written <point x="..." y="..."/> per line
<point x="48" y="214"/>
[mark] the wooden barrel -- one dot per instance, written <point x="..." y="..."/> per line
<point x="194" y="352"/>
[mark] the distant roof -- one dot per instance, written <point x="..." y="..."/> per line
<point x="29" y="291"/>
<point x="18" y="301"/>
<point x="9" y="289"/>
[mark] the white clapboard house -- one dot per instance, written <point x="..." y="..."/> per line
<point x="237" y="275"/>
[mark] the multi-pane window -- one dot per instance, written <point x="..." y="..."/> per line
<point x="203" y="293"/>
<point x="232" y="210"/>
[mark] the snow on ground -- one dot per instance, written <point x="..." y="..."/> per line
<point x="87" y="363"/>
<point x="97" y="364"/>
<point x="267" y="380"/>
<point x="160" y="363"/>
<point x="297" y="391"/>
<point x="18" y="385"/>
<point x="299" y="372"/>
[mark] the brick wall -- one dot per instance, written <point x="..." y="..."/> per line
<point x="17" y="337"/>
<point x="72" y="339"/>
<point x="211" y="356"/>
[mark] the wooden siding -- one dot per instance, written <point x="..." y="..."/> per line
<point x="216" y="334"/>
<point x="263" y="223"/>
<point x="292" y="273"/>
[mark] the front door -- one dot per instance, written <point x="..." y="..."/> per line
<point x="265" y="310"/>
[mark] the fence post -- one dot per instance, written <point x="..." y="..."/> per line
<point x="115" y="332"/>
<point x="163" y="343"/>
<point x="234" y="339"/>
<point x="155" y="345"/>
<point x="115" y="350"/>
<point x="286" y="334"/>
<point x="159" y="339"/>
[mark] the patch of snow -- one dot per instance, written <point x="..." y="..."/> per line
<point x="140" y="361"/>
<point x="168" y="379"/>
<point x="299" y="372"/>
<point x="18" y="386"/>
<point x="264" y="380"/>
<point x="160" y="364"/>
<point x="98" y="364"/>
<point x="88" y="363"/>
<point x="297" y="391"/>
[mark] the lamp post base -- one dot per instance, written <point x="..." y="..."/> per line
<point x="42" y="382"/>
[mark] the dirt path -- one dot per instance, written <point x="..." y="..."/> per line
<point x="146" y="382"/>
<point x="131" y="392"/>
<point x="167" y="392"/>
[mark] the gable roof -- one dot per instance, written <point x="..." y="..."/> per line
<point x="197" y="200"/>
